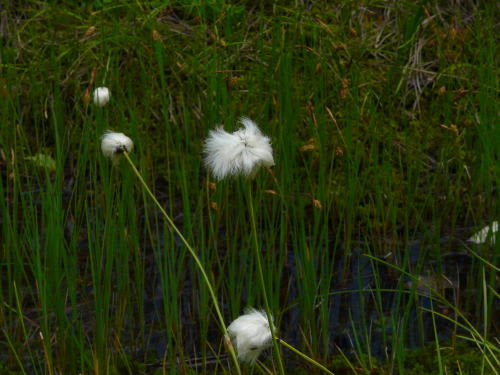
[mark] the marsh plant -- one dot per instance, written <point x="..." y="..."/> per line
<point x="226" y="154"/>
<point x="244" y="152"/>
<point x="115" y="144"/>
<point x="252" y="334"/>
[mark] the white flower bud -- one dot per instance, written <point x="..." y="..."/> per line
<point x="101" y="96"/>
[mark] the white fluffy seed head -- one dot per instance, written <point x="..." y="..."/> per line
<point x="241" y="152"/>
<point x="251" y="334"/>
<point x="487" y="234"/>
<point x="101" y="96"/>
<point x="113" y="144"/>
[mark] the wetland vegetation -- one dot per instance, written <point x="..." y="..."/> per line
<point x="384" y="122"/>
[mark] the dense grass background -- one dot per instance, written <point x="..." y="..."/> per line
<point x="384" y="121"/>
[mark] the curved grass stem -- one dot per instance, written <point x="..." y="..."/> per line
<point x="195" y="257"/>
<point x="307" y="358"/>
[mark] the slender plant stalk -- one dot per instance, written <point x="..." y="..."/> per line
<point x="261" y="279"/>
<point x="230" y="348"/>
<point x="436" y="339"/>
<point x="307" y="358"/>
<point x="13" y="349"/>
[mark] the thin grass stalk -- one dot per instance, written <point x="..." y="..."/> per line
<point x="23" y="326"/>
<point x="485" y="312"/>
<point x="48" y="355"/>
<point x="436" y="338"/>
<point x="356" y="343"/>
<point x="307" y="358"/>
<point x="261" y="279"/>
<point x="347" y="360"/>
<point x="13" y="349"/>
<point x="195" y="257"/>
<point x="475" y="335"/>
<point x="276" y="340"/>
<point x="263" y="369"/>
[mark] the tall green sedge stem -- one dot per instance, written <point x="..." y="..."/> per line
<point x="307" y="358"/>
<point x="230" y="348"/>
<point x="261" y="278"/>
<point x="276" y="339"/>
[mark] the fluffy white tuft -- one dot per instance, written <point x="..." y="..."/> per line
<point x="241" y="152"/>
<point x="113" y="144"/>
<point x="250" y="334"/>
<point x="485" y="234"/>
<point x="101" y="96"/>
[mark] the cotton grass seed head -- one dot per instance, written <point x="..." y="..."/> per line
<point x="487" y="234"/>
<point x="242" y="152"/>
<point x="114" y="144"/>
<point x="101" y="96"/>
<point x="251" y="334"/>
